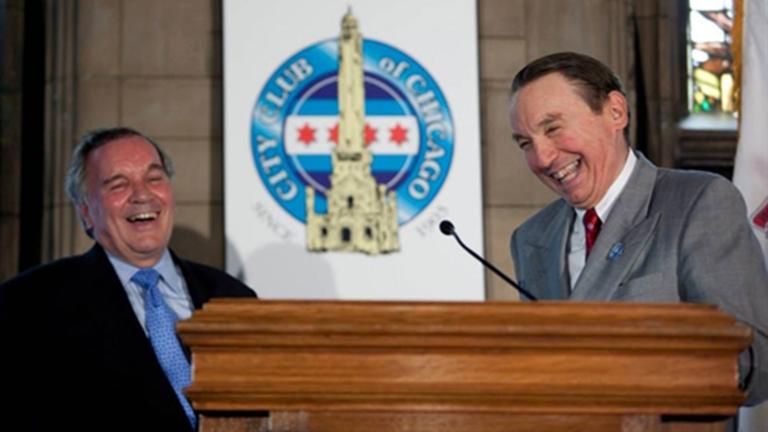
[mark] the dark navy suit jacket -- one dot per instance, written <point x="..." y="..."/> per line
<point x="74" y="356"/>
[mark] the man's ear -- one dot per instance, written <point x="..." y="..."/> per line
<point x="617" y="109"/>
<point x="85" y="218"/>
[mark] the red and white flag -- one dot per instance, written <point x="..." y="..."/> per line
<point x="751" y="165"/>
<point x="384" y="135"/>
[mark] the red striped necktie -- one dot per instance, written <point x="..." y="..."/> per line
<point x="592" y="224"/>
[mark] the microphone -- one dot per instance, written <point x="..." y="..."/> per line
<point x="446" y="227"/>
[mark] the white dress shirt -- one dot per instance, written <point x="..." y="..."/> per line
<point x="172" y="287"/>
<point x="577" y="250"/>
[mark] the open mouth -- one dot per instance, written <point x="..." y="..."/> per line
<point x="143" y="217"/>
<point x="567" y="173"/>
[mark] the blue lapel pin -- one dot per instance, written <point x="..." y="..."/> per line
<point x="616" y="251"/>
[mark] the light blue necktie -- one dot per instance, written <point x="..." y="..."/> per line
<point x="161" y="327"/>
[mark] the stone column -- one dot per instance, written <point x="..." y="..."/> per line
<point x="12" y="28"/>
<point x="60" y="226"/>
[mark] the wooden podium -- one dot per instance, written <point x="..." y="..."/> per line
<point x="482" y="367"/>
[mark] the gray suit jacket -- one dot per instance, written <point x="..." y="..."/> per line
<point x="672" y="236"/>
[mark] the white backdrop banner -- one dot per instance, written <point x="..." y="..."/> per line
<point x="350" y="131"/>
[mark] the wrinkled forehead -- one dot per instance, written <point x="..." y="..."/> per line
<point x="122" y="154"/>
<point x="550" y="90"/>
<point x="555" y="81"/>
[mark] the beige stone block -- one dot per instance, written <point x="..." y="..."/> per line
<point x="169" y="37"/>
<point x="69" y="231"/>
<point x="581" y="26"/>
<point x="495" y="112"/>
<point x="198" y="234"/>
<point x="61" y="228"/>
<point x="506" y="176"/>
<point x="98" y="104"/>
<point x="98" y="37"/>
<point x="500" y="59"/>
<point x="171" y="107"/>
<point x="198" y="168"/>
<point x="500" y="222"/>
<point x="501" y="18"/>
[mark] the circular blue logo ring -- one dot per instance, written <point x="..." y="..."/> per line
<point x="304" y="86"/>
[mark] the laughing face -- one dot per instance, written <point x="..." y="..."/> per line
<point x="575" y="151"/>
<point x="129" y="201"/>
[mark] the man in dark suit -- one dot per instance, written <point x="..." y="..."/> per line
<point x="625" y="230"/>
<point x="88" y="341"/>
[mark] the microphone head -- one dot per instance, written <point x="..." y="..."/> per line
<point x="446" y="227"/>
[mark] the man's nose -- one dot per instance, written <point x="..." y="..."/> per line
<point x="543" y="154"/>
<point x="140" y="192"/>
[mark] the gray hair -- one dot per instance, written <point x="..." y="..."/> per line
<point x="74" y="183"/>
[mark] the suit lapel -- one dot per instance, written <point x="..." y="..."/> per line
<point x="622" y="239"/>
<point x="549" y="283"/>
<point x="196" y="288"/>
<point x="122" y="336"/>
<point x="112" y="304"/>
<point x="126" y="354"/>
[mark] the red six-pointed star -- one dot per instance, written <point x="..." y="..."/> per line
<point x="333" y="133"/>
<point x="370" y="134"/>
<point x="307" y="134"/>
<point x="398" y="134"/>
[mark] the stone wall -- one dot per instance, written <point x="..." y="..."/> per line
<point x="156" y="66"/>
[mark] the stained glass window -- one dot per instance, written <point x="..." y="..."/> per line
<point x="710" y="59"/>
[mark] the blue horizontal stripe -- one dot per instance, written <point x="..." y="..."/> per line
<point x="322" y="164"/>
<point x="331" y="107"/>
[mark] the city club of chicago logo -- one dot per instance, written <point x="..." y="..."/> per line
<point x="353" y="138"/>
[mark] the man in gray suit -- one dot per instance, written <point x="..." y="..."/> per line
<point x="664" y="235"/>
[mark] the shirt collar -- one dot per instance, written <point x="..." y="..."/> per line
<point x="165" y="267"/>
<point x="605" y="205"/>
